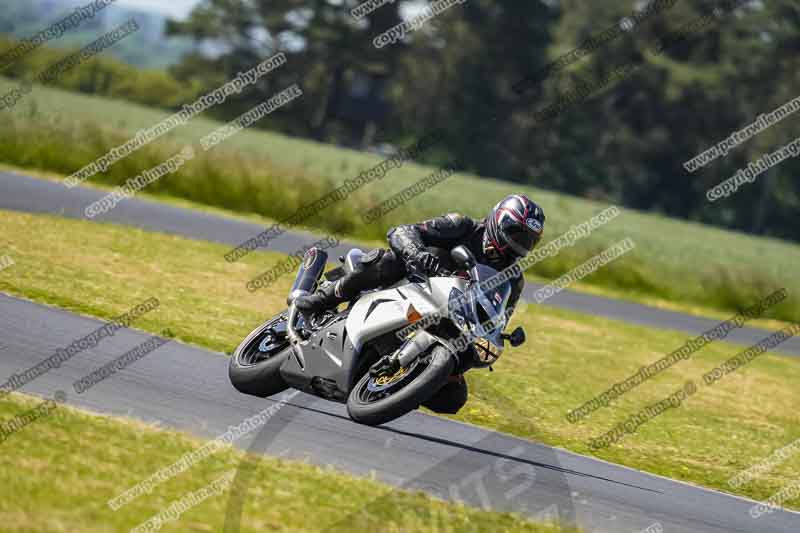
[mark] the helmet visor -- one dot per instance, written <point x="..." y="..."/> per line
<point x="520" y="238"/>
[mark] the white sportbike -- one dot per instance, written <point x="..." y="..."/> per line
<point x="390" y="350"/>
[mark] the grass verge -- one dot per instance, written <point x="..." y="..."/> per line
<point x="273" y="175"/>
<point x="58" y="473"/>
<point x="608" y="292"/>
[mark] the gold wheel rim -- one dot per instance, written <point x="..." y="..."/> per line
<point x="383" y="381"/>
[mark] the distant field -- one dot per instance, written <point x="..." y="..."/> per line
<point x="274" y="175"/>
<point x="99" y="269"/>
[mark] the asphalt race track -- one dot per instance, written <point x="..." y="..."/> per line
<point x="22" y="193"/>
<point x="187" y="388"/>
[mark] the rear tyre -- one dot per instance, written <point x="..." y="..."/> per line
<point x="370" y="404"/>
<point x="254" y="367"/>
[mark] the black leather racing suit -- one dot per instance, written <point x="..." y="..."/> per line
<point x="447" y="232"/>
<point x="381" y="268"/>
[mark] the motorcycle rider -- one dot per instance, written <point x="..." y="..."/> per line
<point x="508" y="233"/>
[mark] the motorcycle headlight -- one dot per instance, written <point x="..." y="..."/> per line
<point x="487" y="353"/>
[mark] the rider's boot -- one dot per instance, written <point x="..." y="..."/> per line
<point x="371" y="275"/>
<point x="325" y="298"/>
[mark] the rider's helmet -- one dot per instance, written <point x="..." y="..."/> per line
<point x="513" y="227"/>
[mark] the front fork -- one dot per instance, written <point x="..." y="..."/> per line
<point x="412" y="348"/>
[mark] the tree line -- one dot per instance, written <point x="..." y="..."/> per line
<point x="605" y="100"/>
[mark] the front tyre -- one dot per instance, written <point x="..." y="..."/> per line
<point x="254" y="367"/>
<point x="374" y="402"/>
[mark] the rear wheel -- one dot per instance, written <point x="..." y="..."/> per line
<point x="377" y="401"/>
<point x="254" y="367"/>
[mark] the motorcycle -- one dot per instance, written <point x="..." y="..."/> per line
<point x="391" y="349"/>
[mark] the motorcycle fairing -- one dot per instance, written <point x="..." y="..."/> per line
<point x="331" y="356"/>
<point x="330" y="363"/>
<point x="379" y="312"/>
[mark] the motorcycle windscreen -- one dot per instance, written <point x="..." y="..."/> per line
<point x="490" y="299"/>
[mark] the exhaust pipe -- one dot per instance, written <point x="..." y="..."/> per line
<point x="308" y="274"/>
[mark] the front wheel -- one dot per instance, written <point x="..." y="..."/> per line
<point x="377" y="401"/>
<point x="254" y="367"/>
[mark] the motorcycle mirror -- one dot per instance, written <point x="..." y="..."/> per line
<point x="463" y="257"/>
<point x="517" y="337"/>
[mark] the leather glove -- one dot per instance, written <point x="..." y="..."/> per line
<point x="426" y="261"/>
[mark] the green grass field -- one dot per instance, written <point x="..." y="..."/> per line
<point x="273" y="175"/>
<point x="99" y="269"/>
<point x="580" y="286"/>
<point x="58" y="473"/>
